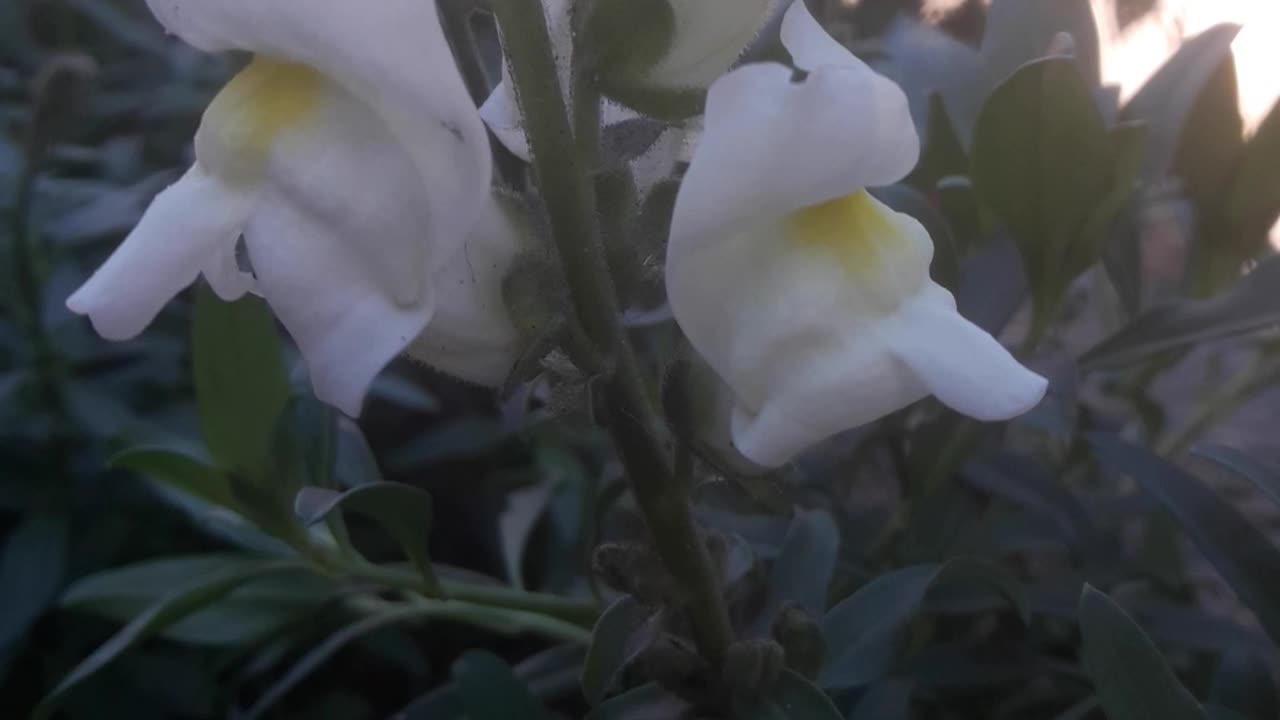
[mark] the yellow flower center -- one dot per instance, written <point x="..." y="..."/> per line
<point x="248" y="116"/>
<point x="885" y="254"/>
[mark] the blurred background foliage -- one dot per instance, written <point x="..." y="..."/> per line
<point x="174" y="541"/>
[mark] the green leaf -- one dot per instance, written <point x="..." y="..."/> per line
<point x="318" y="655"/>
<point x="647" y="702"/>
<point x="241" y="385"/>
<point x="402" y="510"/>
<point x="244" y="615"/>
<point x="1020" y="31"/>
<point x="613" y="645"/>
<point x="794" y="698"/>
<point x="1253" y="196"/>
<point x="1249" y="306"/>
<point x="1243" y="556"/>
<point x="1165" y="101"/>
<point x="491" y="691"/>
<point x="864" y="632"/>
<point x="32" y="566"/>
<point x="1044" y="162"/>
<point x="1212" y="138"/>
<point x="179" y="469"/>
<point x="165" y="612"/>
<point x="803" y="569"/>
<point x="1132" y="679"/>
<point x="1243" y="684"/>
<point x="888" y="700"/>
<point x="305" y="442"/>
<point x="1266" y="477"/>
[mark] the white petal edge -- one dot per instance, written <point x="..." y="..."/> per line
<point x="771" y="146"/>
<point x="964" y="366"/>
<point x="190" y="226"/>
<point x="346" y="326"/>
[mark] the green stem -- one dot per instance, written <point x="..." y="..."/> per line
<point x="498" y="597"/>
<point x="569" y="194"/>
<point x="500" y="620"/>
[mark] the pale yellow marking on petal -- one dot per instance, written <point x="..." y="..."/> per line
<point x="886" y="261"/>
<point x="261" y="103"/>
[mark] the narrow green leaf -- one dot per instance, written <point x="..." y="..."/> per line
<point x="1262" y="475"/>
<point x="887" y="700"/>
<point x="1249" y="306"/>
<point x="402" y="510"/>
<point x="321" y="653"/>
<point x="612" y="645"/>
<point x="803" y="569"/>
<point x="241" y="385"/>
<point x="1243" y="683"/>
<point x="32" y="567"/>
<point x="168" y="610"/>
<point x="244" y="615"/>
<point x="179" y="469"/>
<point x="647" y="702"/>
<point x="793" y="698"/>
<point x="1253" y="198"/>
<point x="1167" y="98"/>
<point x="864" y="632"/>
<point x="1244" y="557"/>
<point x="1132" y="679"/>
<point x="305" y="442"/>
<point x="1043" y="162"/>
<point x="491" y="691"/>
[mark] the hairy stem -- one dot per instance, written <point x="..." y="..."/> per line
<point x="567" y="189"/>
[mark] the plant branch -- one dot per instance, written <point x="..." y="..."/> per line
<point x="568" y="192"/>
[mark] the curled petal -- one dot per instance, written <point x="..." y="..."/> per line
<point x="771" y="146"/>
<point x="961" y="364"/>
<point x="191" y="225"/>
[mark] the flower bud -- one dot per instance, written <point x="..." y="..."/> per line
<point x="801" y="639"/>
<point x="752" y="667"/>
<point x="659" y="56"/>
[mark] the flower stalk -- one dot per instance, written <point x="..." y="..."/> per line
<point x="568" y="192"/>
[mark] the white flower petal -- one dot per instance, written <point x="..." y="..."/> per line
<point x="790" y="318"/>
<point x="471" y="335"/>
<point x="391" y="54"/>
<point x="771" y="146"/>
<point x="966" y="368"/>
<point x="336" y="310"/>
<point x="809" y="43"/>
<point x="501" y="113"/>
<point x="341" y="245"/>
<point x="189" y="226"/>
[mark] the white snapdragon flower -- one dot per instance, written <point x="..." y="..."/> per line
<point x="809" y="297"/>
<point x="348" y="156"/>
